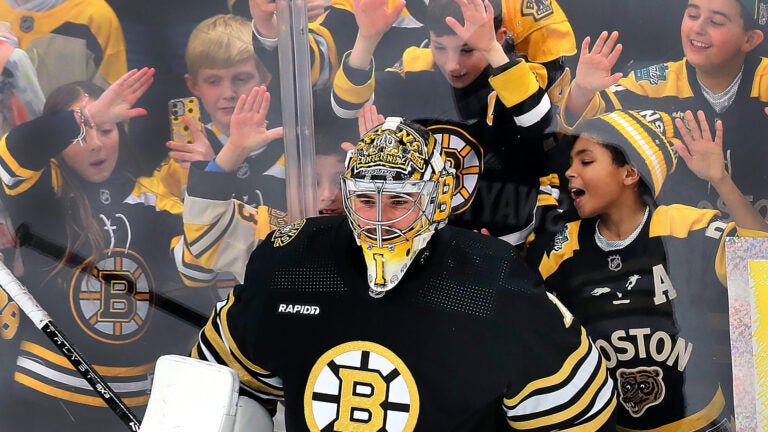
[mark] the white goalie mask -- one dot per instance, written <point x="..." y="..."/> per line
<point x="397" y="192"/>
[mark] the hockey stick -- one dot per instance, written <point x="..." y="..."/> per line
<point x="28" y="239"/>
<point x="43" y="321"/>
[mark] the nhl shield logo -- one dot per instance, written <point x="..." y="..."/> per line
<point x="243" y="171"/>
<point x="537" y="9"/>
<point x="614" y="262"/>
<point x="27" y="24"/>
<point x="104" y="196"/>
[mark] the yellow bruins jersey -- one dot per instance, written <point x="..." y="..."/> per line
<point x="415" y="89"/>
<point x="465" y="341"/>
<point x="657" y="310"/>
<point x="78" y="40"/>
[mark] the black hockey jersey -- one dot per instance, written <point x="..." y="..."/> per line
<point x="493" y="132"/>
<point x="466" y="341"/>
<point x="673" y="88"/>
<point x="122" y="306"/>
<point x="260" y="179"/>
<point x="660" y="322"/>
<point x="539" y="28"/>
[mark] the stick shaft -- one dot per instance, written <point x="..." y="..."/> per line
<point x="43" y="321"/>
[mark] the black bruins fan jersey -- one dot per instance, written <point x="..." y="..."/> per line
<point x="122" y="312"/>
<point x="660" y="322"/>
<point x="497" y="149"/>
<point x="465" y="341"/>
<point x="78" y="40"/>
<point x="673" y="88"/>
<point x="539" y="28"/>
<point x="260" y="179"/>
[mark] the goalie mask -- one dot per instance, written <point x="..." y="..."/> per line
<point x="397" y="192"/>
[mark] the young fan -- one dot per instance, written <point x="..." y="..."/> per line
<point x="648" y="280"/>
<point x="720" y="75"/>
<point x="102" y="254"/>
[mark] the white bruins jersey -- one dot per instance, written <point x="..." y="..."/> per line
<point x="466" y="341"/>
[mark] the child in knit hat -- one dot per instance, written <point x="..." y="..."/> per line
<point x="647" y="280"/>
<point x="722" y="75"/>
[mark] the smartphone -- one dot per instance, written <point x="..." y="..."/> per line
<point x="179" y="108"/>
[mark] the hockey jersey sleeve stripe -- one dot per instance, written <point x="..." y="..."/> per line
<point x="517" y="83"/>
<point x="557" y="379"/>
<point x="16" y="179"/>
<point x="323" y="49"/>
<point x="561" y="396"/>
<point x="74" y="397"/>
<point x="216" y="338"/>
<point x="566" y="411"/>
<point x="598" y="421"/>
<point x="210" y="224"/>
<point x="192" y="273"/>
<point x="346" y="113"/>
<point x="347" y="94"/>
<point x="534" y="115"/>
<point x="589" y="391"/>
<point x="201" y="242"/>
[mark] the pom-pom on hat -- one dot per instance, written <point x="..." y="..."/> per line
<point x="645" y="137"/>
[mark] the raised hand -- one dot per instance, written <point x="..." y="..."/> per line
<point x="374" y="17"/>
<point x="593" y="72"/>
<point x="248" y="129"/>
<point x="702" y="153"/>
<point x="704" y="156"/>
<point x="199" y="149"/>
<point x="477" y="31"/>
<point x="368" y="118"/>
<point x="116" y="103"/>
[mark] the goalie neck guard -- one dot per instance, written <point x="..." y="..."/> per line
<point x="397" y="192"/>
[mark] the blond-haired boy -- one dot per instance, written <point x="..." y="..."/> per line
<point x="222" y="67"/>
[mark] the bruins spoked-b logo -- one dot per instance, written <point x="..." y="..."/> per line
<point x="361" y="386"/>
<point x="113" y="301"/>
<point x="465" y="156"/>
